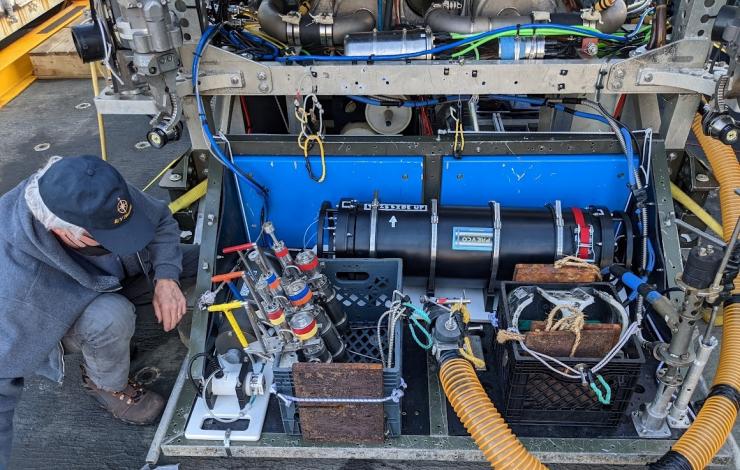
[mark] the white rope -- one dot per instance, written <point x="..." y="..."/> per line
<point x="395" y="312"/>
<point x="395" y="397"/>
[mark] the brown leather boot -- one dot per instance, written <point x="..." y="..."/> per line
<point x="132" y="405"/>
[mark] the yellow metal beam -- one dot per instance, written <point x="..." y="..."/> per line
<point x="16" y="71"/>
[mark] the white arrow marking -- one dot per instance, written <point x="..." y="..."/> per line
<point x="393" y="220"/>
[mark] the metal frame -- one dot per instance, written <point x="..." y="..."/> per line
<point x="667" y="82"/>
<point x="675" y="68"/>
<point x="437" y="445"/>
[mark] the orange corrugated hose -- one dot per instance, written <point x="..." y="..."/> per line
<point x="707" y="434"/>
<point x="484" y="423"/>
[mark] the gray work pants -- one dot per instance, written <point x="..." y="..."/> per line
<point x="104" y="330"/>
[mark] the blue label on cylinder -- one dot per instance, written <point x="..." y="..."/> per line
<point x="472" y="238"/>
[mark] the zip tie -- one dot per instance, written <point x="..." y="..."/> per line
<point x="395" y="397"/>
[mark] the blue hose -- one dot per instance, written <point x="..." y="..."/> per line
<point x="453" y="45"/>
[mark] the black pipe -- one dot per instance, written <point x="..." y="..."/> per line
<point x="464" y="237"/>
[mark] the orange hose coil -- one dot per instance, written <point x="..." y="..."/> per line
<point x="714" y="422"/>
<point x="484" y="423"/>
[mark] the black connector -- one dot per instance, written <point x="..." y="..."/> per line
<point x="672" y="460"/>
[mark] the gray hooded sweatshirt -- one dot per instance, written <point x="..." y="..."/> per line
<point x="43" y="291"/>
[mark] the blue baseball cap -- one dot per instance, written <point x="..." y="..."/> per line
<point x="90" y="193"/>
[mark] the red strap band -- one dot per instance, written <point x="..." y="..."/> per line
<point x="309" y="266"/>
<point x="275" y="315"/>
<point x="282" y="253"/>
<point x="243" y="247"/>
<point x="584" y="236"/>
<point x="306" y="329"/>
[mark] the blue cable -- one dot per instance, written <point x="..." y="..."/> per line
<point x="453" y="45"/>
<point x="521" y="99"/>
<point x="380" y="16"/>
<point x="542" y="102"/>
<point x="636" y="31"/>
<point x="215" y="149"/>
<point x="630" y="155"/>
<point x="236" y="39"/>
<point x="404" y="104"/>
<point x="408" y="103"/>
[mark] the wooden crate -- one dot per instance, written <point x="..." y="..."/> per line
<point x="24" y="12"/>
<point x="57" y="57"/>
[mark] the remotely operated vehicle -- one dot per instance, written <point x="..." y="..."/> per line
<point x="444" y="230"/>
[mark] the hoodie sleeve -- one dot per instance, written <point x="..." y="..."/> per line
<point x="164" y="249"/>
<point x="10" y="392"/>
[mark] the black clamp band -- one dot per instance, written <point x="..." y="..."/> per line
<point x="672" y="460"/>
<point x="727" y="391"/>
<point x="606" y="255"/>
<point x="629" y="235"/>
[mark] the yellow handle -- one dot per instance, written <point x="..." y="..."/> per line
<point x="236" y="328"/>
<point x="224" y="307"/>
<point x="226" y="310"/>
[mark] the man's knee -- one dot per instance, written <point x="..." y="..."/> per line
<point x="190" y="255"/>
<point x="108" y="316"/>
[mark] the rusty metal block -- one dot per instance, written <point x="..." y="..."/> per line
<point x="548" y="273"/>
<point x="596" y="340"/>
<point x="338" y="422"/>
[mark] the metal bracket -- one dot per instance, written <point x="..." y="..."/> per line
<point x="373" y="224"/>
<point x="560" y="226"/>
<point x="220" y="81"/>
<point x="697" y="80"/>
<point x="496" y="236"/>
<point x="433" y="248"/>
<point x="227" y="442"/>
<point x="686" y="54"/>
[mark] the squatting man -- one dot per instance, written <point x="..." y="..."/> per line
<point x="79" y="249"/>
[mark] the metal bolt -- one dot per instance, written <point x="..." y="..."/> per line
<point x="261" y="76"/>
<point x="672" y="156"/>
<point x="205" y="266"/>
<point x="202" y="157"/>
<point x="263" y="87"/>
<point x="648" y="77"/>
<point x="404" y="177"/>
<point x="211" y="219"/>
<point x="234" y="80"/>
<point x="460" y="176"/>
<point x="702" y="178"/>
<point x="619" y="73"/>
<point x="175" y="177"/>
<point x="592" y="49"/>
<point x="617" y="84"/>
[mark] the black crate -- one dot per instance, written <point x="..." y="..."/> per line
<point x="365" y="289"/>
<point x="534" y="395"/>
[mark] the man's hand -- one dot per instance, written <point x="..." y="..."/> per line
<point x="169" y="303"/>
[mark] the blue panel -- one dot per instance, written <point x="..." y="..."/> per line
<point x="295" y="199"/>
<point x="536" y="180"/>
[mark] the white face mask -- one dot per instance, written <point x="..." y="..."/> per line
<point x="85" y="244"/>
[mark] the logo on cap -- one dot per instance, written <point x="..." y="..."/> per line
<point x="124" y="208"/>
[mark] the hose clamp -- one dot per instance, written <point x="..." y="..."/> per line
<point x="559" y="228"/>
<point x="495" y="242"/>
<point x="373" y="224"/>
<point x="293" y="34"/>
<point x="433" y="246"/>
<point x="326" y="34"/>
